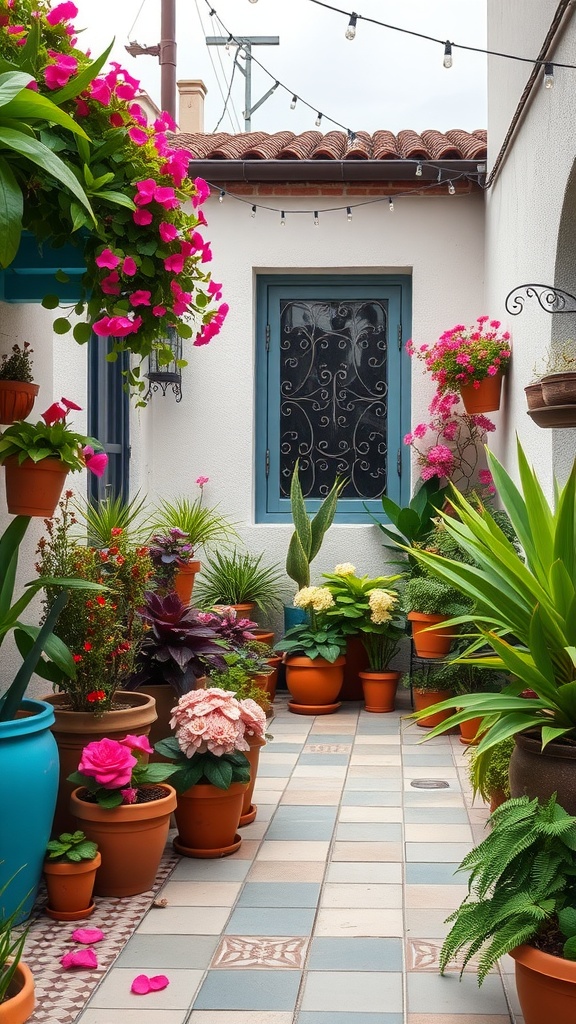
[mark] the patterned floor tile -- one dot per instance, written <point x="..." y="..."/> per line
<point x="424" y="955"/>
<point x="261" y="951"/>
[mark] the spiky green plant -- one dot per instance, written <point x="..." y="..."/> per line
<point x="237" y="578"/>
<point x="100" y="518"/>
<point x="204" y="526"/>
<point x="523" y="875"/>
<point x="308" y="535"/>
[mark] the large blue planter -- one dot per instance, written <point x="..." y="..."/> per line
<point x="293" y="616"/>
<point x="29" y="769"/>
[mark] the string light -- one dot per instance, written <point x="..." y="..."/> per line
<point x="221" y="196"/>
<point x="282" y="219"/>
<point x="228" y="41"/>
<point x="316" y="219"/>
<point x="390" y="205"/>
<point x="318" y="120"/>
<point x="419" y="169"/>
<point x="451" y="188"/>
<point x="447" y="62"/>
<point x="349" y="213"/>
<point x="548" y="76"/>
<point x="253" y="211"/>
<point x="293" y="103"/>
<point x="350" y="32"/>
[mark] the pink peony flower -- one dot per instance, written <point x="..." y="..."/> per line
<point x="108" y="762"/>
<point x="107" y="259"/>
<point x="62" y="12"/>
<point x="253" y="717"/>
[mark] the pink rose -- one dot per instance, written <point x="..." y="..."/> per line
<point x="138" y="743"/>
<point x="108" y="762"/>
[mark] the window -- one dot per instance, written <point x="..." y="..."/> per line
<point x="108" y="419"/>
<point x="332" y="385"/>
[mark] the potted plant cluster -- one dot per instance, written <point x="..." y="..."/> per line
<point x="523" y="613"/>
<point x="551" y="394"/>
<point x="212" y="730"/>
<point x="429" y="604"/>
<point x="522" y="900"/>
<point x="38" y="457"/>
<point x="124" y="192"/>
<point x="495" y="786"/>
<point x="176" y="568"/>
<point x="314" y="655"/>
<point x="469" y="361"/>
<point x="17" y="389"/>
<point x="124" y="806"/>
<point x="202" y="527"/>
<point x="428" y="686"/>
<point x="70" y="872"/>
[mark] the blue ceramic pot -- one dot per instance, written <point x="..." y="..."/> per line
<point x="293" y="616"/>
<point x="29" y="769"/>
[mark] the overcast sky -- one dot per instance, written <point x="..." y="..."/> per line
<point x="383" y="79"/>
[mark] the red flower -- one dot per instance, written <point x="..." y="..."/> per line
<point x="77" y="658"/>
<point x="95" y="696"/>
<point x="101" y="600"/>
<point x="87" y="646"/>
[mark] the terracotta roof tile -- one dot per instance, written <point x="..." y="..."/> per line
<point x="455" y="144"/>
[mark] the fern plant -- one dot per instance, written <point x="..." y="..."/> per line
<point x="522" y="876"/>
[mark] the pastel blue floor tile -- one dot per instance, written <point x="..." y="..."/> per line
<point x="355" y="954"/>
<point x="434" y="873"/>
<point x="305" y="830"/>
<point x="354" y="798"/>
<point x="369" y="832"/>
<point x="229" y="870"/>
<point x="273" y="771"/>
<point x="436" y="816"/>
<point x="162" y="952"/>
<point x="279" y="894"/>
<point x="433" y="756"/>
<point x="305" y="812"/>
<point x="321" y="737"/>
<point x="450" y="994"/>
<point x="271" y="921"/>
<point x="249" y="990"/>
<point x="312" y="1017"/>
<point x="358" y="991"/>
<point x="285" y="748"/>
<point x="322" y="758"/>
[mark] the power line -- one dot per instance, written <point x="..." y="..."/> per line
<point x="216" y="75"/>
<point x="130" y="30"/>
<point x="228" y="95"/>
<point x="221" y="63"/>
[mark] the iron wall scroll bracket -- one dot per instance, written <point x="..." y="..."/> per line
<point x="154" y="386"/>
<point x="551" y="300"/>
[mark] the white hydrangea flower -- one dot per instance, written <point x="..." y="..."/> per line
<point x="345" y="569"/>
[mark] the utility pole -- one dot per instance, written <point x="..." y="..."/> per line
<point x="165" y="50"/>
<point x="246" y="44"/>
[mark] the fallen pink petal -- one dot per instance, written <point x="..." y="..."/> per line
<point x="79" y="958"/>
<point x="141" y="985"/>
<point x="88" y="935"/>
<point x="158" y="982"/>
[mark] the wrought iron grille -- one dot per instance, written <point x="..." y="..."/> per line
<point x="333" y="395"/>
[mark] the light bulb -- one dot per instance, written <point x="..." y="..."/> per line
<point x="221" y="196"/>
<point x="451" y="189"/>
<point x="253" y="1"/>
<point x="318" y="120"/>
<point x="391" y="205"/>
<point x="447" y="62"/>
<point x="293" y="103"/>
<point x="350" y="32"/>
<point x="419" y="170"/>
<point x="439" y="178"/>
<point x="548" y="76"/>
<point x="228" y="41"/>
<point x="282" y="219"/>
<point x="253" y="211"/>
<point x="316" y="219"/>
<point x="348" y="214"/>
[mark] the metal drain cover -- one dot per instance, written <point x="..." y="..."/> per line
<point x="430" y="784"/>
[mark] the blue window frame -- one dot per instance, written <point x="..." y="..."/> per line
<point x="333" y="389"/>
<point x="108" y="419"/>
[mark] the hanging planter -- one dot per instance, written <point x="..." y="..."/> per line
<point x="484" y="398"/>
<point x="34" y="488"/>
<point x="16" y="400"/>
<point x="559" y="389"/>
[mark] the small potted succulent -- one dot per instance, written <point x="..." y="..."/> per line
<point x="118" y="799"/>
<point x="17" y="389"/>
<point x="212" y="734"/>
<point x="70" y="871"/>
<point x="38" y="457"/>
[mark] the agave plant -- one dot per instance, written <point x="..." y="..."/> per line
<point x="179" y="648"/>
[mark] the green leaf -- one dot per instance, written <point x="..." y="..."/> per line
<point x="50" y="302"/>
<point x="324" y="518"/>
<point x="79" y="217"/>
<point x="168" y="747"/>
<point x="39" y="154"/>
<point x="157" y="772"/>
<point x="117" y="198"/>
<point x="80" y="82"/>
<point x="33" y="105"/>
<point x="28" y="57"/>
<point x="297" y="565"/>
<point x="219" y="773"/>
<point x="13" y="696"/>
<point x="109" y="800"/>
<point x="82" y="333"/>
<point x="11" y="83"/>
<point x="184" y="330"/>
<point x="569" y="950"/>
<point x="567" y="921"/>
<point x="11" y="211"/>
<point x="62" y="277"/>
<point x="147" y="248"/>
<point x="61" y="325"/>
<point x="54" y="648"/>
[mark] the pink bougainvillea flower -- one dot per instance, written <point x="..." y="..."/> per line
<point x="140" y="298"/>
<point x="138" y="136"/>
<point x="125" y="91"/>
<point x="79" y="958"/>
<point x="137" y="114"/>
<point x="108" y="762"/>
<point x="142" y="984"/>
<point x="137" y="743"/>
<point x="176" y="165"/>
<point x="215" y="290"/>
<point x="88" y="935"/>
<point x="54" y="413"/>
<point x="129" y="267"/>
<point x="62" y="12"/>
<point x="111" y="285"/>
<point x="159" y="310"/>
<point x="142" y="217"/>
<point x="202" y="191"/>
<point x="15" y="30"/>
<point x="97" y="463"/>
<point x="116" y="326"/>
<point x="165" y="197"/>
<point x="58" y="74"/>
<point x="168" y="232"/>
<point x="107" y="259"/>
<point x="174" y="263"/>
<point x="71" y="405"/>
<point x="101" y="92"/>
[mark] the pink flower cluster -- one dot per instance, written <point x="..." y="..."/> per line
<point x="96" y="462"/>
<point x="465" y="355"/>
<point x="454" y="440"/>
<point x="111" y="762"/>
<point x="214" y="720"/>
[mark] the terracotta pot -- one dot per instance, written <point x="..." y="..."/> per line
<point x="356" y="662"/>
<point x="379" y="690"/>
<point x="264" y="636"/>
<point x="425" y="699"/>
<point x="539" y="773"/>
<point x="242" y="610"/>
<point x="17" y="399"/>
<point x="559" y="389"/>
<point x="434" y="643"/>
<point x="19" y="1004"/>
<point x="486" y="398"/>
<point x="207" y="820"/>
<point x="270" y="681"/>
<point x="34" y="488"/>
<point x="497" y="798"/>
<point x="249" y="811"/>
<point x="131" y="839"/>
<point x="534" y="396"/>
<point x="184" y="580"/>
<point x="70" y="887"/>
<point x="546" y="986"/>
<point x="74" y="729"/>
<point x="469" y="732"/>
<point x="314" y="684"/>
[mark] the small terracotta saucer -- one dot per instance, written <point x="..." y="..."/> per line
<point x="249" y="817"/>
<point x="313" y="709"/>
<point x="220" y="851"/>
<point x="72" y="915"/>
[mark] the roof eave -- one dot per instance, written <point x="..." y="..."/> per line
<point x="253" y="171"/>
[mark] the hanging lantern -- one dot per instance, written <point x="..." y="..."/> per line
<point x="166" y="375"/>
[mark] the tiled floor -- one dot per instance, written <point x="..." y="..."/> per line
<point x="332" y="911"/>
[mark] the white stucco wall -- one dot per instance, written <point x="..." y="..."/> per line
<point x="524" y="210"/>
